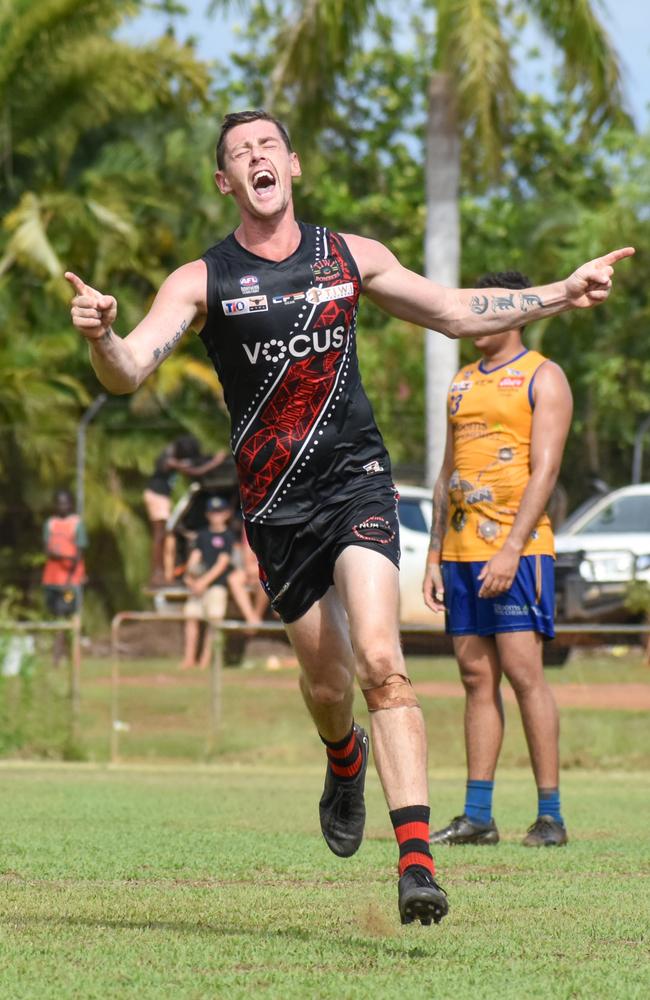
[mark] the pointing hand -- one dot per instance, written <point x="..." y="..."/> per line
<point x="93" y="314"/>
<point x="592" y="282"/>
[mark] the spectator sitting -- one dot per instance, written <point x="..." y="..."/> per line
<point x="206" y="576"/>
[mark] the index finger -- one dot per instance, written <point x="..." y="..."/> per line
<point x="76" y="282"/>
<point x="615" y="255"/>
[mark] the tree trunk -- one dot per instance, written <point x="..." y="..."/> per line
<point x="442" y="256"/>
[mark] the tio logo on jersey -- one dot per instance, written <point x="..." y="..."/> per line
<point x="238" y="307"/>
<point x="316" y="342"/>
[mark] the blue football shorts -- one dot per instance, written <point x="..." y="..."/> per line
<point x="528" y="606"/>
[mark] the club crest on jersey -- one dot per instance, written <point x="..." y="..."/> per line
<point x="327" y="269"/>
<point x="343" y="291"/>
<point x="238" y="307"/>
<point x="249" y="284"/>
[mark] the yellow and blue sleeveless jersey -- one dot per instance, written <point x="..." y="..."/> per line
<point x="491" y="415"/>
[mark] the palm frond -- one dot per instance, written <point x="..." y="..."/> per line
<point x="28" y="242"/>
<point x="98" y="81"/>
<point x="31" y="32"/>
<point x="170" y="377"/>
<point x="590" y="59"/>
<point x="473" y="49"/>
<point x="321" y="36"/>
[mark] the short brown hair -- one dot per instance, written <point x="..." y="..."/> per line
<point x="243" y="118"/>
<point x="504" y="279"/>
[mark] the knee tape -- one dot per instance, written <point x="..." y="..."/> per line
<point x="395" y="691"/>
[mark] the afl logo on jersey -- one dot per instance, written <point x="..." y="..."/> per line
<point x="250" y="284"/>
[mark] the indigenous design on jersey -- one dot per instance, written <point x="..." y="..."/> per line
<point x="491" y="415"/>
<point x="303" y="431"/>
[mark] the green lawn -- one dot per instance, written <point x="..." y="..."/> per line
<point x="214" y="882"/>
<point x="183" y="874"/>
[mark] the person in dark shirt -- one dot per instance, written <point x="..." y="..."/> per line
<point x="276" y="303"/>
<point x="181" y="455"/>
<point x="206" y="578"/>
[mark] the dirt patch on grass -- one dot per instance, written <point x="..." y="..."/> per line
<point x="631" y="697"/>
<point x="625" y="697"/>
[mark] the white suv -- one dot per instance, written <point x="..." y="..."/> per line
<point x="601" y="549"/>
<point x="614" y="535"/>
<point x="414" y="512"/>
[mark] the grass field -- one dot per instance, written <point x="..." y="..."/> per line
<point x="163" y="880"/>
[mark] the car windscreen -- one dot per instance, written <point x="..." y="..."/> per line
<point x="629" y="514"/>
<point x="411" y="516"/>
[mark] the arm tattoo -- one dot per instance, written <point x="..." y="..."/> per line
<point x="502" y="302"/>
<point x="527" y="302"/>
<point x="439" y="516"/>
<point x="478" y="304"/>
<point x="168" y="347"/>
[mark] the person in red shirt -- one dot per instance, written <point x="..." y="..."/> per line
<point x="64" y="573"/>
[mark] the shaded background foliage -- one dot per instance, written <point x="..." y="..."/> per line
<point x="106" y="159"/>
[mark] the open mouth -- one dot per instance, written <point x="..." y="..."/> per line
<point x="263" y="182"/>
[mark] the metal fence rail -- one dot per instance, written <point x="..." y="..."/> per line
<point x="216" y="635"/>
<point x="218" y="630"/>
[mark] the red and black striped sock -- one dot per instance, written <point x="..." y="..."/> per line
<point x="345" y="757"/>
<point x="411" y="826"/>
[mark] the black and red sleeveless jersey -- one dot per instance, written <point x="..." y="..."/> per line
<point x="281" y="336"/>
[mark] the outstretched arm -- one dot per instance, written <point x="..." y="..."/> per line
<point x="200" y="470"/>
<point x="551" y="422"/>
<point x="473" y="312"/>
<point x="122" y="364"/>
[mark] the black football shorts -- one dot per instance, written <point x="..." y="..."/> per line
<point x="296" y="561"/>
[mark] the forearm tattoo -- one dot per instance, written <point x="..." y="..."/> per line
<point x="162" y="352"/>
<point x="439" y="516"/>
<point x="527" y="302"/>
<point x="479" y="304"/>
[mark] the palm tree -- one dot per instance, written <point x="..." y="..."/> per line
<point x="472" y="98"/>
<point x="94" y="175"/>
